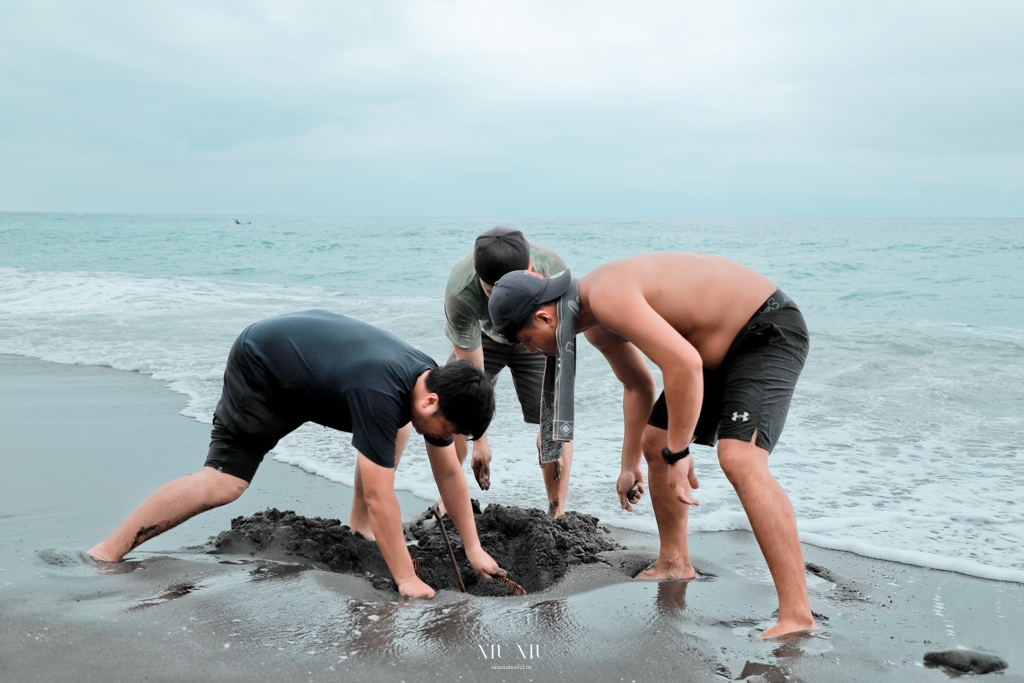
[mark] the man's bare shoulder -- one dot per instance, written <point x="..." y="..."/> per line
<point x="660" y="261"/>
<point x="704" y="298"/>
<point x="613" y="284"/>
<point x="681" y="272"/>
<point x="600" y="337"/>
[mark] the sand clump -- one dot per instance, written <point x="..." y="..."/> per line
<point x="536" y="550"/>
<point x="966" y="661"/>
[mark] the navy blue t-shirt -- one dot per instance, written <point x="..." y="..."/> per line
<point x="339" y="372"/>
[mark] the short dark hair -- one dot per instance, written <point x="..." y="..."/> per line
<point x="465" y="396"/>
<point x="498" y="251"/>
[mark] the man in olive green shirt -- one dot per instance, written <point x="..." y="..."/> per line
<point x="498" y="251"/>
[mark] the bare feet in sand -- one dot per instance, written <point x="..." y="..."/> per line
<point x="663" y="570"/>
<point x="789" y="627"/>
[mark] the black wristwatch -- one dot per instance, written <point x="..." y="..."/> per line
<point x="672" y="458"/>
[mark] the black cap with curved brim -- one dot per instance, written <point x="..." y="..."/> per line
<point x="498" y="251"/>
<point x="518" y="294"/>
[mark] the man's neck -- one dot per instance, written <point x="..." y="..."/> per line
<point x="419" y="389"/>
<point x="586" y="320"/>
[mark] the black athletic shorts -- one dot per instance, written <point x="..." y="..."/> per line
<point x="753" y="386"/>
<point x="527" y="372"/>
<point x="245" y="425"/>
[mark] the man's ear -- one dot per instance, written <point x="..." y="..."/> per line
<point x="543" y="317"/>
<point x="429" y="402"/>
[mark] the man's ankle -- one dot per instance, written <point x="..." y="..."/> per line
<point x="98" y="554"/>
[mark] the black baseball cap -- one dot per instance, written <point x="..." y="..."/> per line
<point x="498" y="251"/>
<point x="518" y="294"/>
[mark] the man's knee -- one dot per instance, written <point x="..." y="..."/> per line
<point x="652" y="441"/>
<point x="220" y="488"/>
<point x="740" y="459"/>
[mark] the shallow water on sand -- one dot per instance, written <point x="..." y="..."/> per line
<point x="877" y="620"/>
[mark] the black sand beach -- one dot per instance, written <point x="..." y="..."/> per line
<point x="80" y="446"/>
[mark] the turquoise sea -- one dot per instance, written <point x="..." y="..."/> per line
<point x="906" y="436"/>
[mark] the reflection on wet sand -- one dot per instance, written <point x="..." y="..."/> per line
<point x="671" y="598"/>
<point x="550" y="614"/>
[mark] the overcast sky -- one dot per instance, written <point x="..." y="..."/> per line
<point x="586" y="109"/>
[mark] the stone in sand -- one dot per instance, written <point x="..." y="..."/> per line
<point x="966" y="661"/>
<point x="755" y="672"/>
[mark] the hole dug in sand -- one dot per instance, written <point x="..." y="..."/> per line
<point x="534" y="549"/>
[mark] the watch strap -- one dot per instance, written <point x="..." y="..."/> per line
<point x="672" y="458"/>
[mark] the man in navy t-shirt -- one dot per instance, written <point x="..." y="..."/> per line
<point x="320" y="367"/>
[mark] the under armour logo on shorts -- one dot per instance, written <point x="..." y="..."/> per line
<point x="741" y="416"/>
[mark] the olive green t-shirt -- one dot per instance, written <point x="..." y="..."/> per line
<point x="465" y="304"/>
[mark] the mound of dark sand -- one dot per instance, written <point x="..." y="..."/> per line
<point x="966" y="661"/>
<point x="535" y="549"/>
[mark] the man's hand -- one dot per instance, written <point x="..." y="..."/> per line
<point x="484" y="564"/>
<point x="482" y="463"/>
<point x="630" y="482"/>
<point x="681" y="478"/>
<point x="556" y="468"/>
<point x="414" y="588"/>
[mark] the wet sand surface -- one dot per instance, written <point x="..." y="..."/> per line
<point x="80" y="446"/>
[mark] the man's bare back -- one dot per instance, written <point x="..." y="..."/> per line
<point x="707" y="299"/>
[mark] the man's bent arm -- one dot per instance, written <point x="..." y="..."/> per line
<point x="638" y="388"/>
<point x="386" y="520"/>
<point x="474" y="356"/>
<point x="452" y="485"/>
<point x="481" y="448"/>
<point x="629" y="315"/>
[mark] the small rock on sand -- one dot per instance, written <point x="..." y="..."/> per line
<point x="966" y="661"/>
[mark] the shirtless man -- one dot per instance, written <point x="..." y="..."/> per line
<point x="317" y="366"/>
<point x="730" y="347"/>
<point x="498" y="251"/>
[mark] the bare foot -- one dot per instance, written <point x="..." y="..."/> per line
<point x="664" y="571"/>
<point x="555" y="509"/>
<point x="789" y="627"/>
<point x="366" y="531"/>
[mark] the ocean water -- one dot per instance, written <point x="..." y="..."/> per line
<point x="905" y="440"/>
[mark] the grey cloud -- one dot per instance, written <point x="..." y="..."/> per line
<point x="615" y="109"/>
